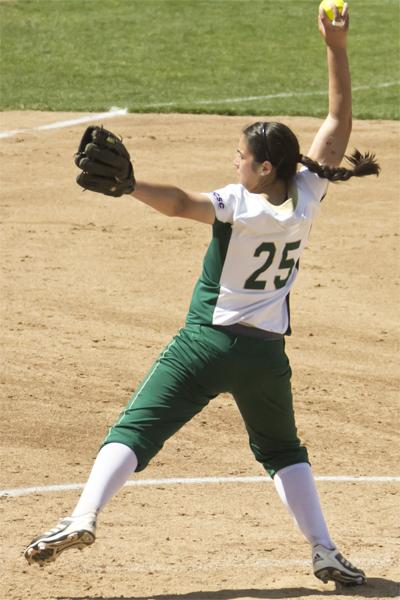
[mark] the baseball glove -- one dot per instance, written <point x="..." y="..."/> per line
<point x="105" y="163"/>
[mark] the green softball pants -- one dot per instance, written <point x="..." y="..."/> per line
<point x="198" y="364"/>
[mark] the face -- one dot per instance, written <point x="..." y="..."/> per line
<point x="248" y="170"/>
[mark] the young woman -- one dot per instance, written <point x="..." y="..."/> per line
<point x="233" y="340"/>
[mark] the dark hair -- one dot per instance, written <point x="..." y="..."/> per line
<point x="278" y="144"/>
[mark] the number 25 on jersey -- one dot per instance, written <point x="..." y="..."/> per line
<point x="286" y="265"/>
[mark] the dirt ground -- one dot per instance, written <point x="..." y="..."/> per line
<point x="93" y="288"/>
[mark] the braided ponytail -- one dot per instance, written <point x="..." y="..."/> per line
<point x="278" y="144"/>
<point x="363" y="164"/>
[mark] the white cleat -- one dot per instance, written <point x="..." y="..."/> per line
<point x="71" y="532"/>
<point x="330" y="565"/>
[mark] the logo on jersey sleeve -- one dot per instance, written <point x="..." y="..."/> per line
<point x="218" y="200"/>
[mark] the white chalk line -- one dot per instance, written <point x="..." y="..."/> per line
<point x="111" y="114"/>
<point x="115" y="112"/>
<point x="14" y="492"/>
<point x="357" y="88"/>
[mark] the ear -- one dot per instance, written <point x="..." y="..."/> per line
<point x="266" y="168"/>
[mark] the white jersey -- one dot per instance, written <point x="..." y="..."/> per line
<point x="252" y="261"/>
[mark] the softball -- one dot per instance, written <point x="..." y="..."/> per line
<point x="328" y="5"/>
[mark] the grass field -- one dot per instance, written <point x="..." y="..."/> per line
<point x="191" y="56"/>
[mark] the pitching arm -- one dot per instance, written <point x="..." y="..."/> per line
<point x="331" y="140"/>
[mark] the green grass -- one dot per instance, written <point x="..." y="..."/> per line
<point x="190" y="56"/>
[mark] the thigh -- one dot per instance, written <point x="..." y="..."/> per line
<point x="264" y="398"/>
<point x="266" y="405"/>
<point x="172" y="392"/>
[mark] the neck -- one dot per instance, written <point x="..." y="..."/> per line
<point x="275" y="191"/>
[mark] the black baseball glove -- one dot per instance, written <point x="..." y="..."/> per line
<point x="105" y="163"/>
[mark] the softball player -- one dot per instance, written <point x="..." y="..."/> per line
<point x="233" y="339"/>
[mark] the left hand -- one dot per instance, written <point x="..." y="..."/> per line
<point x="105" y="163"/>
<point x="335" y="35"/>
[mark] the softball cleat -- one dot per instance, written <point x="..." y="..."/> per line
<point x="330" y="565"/>
<point x="71" y="532"/>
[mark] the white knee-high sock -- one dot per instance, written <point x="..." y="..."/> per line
<point x="112" y="467"/>
<point x="296" y="488"/>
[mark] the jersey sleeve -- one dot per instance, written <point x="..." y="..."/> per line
<point x="224" y="200"/>
<point x="315" y="186"/>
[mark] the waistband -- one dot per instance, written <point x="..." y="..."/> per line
<point x="238" y="329"/>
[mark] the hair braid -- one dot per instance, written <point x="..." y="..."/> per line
<point x="363" y="164"/>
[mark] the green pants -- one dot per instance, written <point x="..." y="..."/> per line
<point x="199" y="363"/>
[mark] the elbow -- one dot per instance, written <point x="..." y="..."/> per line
<point x="341" y="122"/>
<point x="176" y="208"/>
<point x="179" y="207"/>
<point x="171" y="211"/>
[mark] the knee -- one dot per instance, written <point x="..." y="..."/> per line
<point x="143" y="448"/>
<point x="275" y="458"/>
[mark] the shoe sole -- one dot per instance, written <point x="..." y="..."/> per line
<point x="43" y="552"/>
<point x="332" y="574"/>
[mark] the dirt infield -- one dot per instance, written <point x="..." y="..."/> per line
<point x="92" y="290"/>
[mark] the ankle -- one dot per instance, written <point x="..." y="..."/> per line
<point x="326" y="546"/>
<point x="87" y="514"/>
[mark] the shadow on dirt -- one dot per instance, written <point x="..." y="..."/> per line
<point x="375" y="588"/>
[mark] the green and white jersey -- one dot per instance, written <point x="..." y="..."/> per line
<point x="253" y="257"/>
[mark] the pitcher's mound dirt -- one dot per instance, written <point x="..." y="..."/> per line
<point x="92" y="290"/>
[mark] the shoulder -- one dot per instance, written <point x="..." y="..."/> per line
<point x="229" y="192"/>
<point x="311" y="184"/>
<point x="225" y="201"/>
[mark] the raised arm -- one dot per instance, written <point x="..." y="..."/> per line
<point x="330" y="143"/>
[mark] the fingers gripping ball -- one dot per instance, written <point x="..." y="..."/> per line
<point x="105" y="163"/>
<point x="329" y="5"/>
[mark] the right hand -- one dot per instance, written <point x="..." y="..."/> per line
<point x="335" y="36"/>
